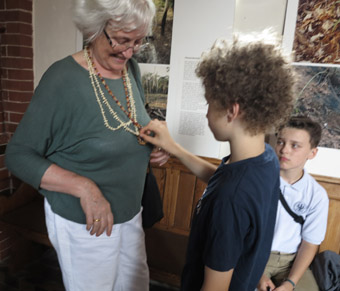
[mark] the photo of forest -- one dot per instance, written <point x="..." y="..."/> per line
<point x="157" y="47"/>
<point x="317" y="33"/>
<point x="319" y="98"/>
<point x="155" y="81"/>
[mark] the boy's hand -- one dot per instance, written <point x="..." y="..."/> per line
<point x="265" y="284"/>
<point x="157" y="133"/>
<point x="285" y="286"/>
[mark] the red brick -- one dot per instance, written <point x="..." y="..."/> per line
<point x="21" y="28"/>
<point x="20" y="74"/>
<point x="16" y="15"/>
<point x="14" y="85"/>
<point x="15" y="106"/>
<point x="10" y="128"/>
<point x="19" y="96"/>
<point x="4" y="51"/>
<point x="20" y="51"/>
<point x="19" y="4"/>
<point x="4" y="138"/>
<point x="4" y="96"/>
<point x="17" y="63"/>
<point x="16" y="39"/>
<point x="3" y="73"/>
<point x="15" y="117"/>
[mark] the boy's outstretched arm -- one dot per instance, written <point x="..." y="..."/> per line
<point x="215" y="280"/>
<point x="304" y="258"/>
<point x="161" y="138"/>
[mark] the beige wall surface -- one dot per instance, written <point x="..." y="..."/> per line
<point x="54" y="34"/>
<point x="257" y="15"/>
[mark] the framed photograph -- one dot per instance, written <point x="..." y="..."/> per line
<point x="312" y="33"/>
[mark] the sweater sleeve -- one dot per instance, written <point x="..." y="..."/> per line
<point x="34" y="139"/>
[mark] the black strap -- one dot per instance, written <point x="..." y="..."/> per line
<point x="297" y="218"/>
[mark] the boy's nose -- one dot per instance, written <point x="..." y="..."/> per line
<point x="284" y="149"/>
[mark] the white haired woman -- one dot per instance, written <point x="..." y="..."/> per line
<point x="79" y="145"/>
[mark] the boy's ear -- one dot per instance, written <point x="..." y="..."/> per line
<point x="233" y="112"/>
<point x="312" y="153"/>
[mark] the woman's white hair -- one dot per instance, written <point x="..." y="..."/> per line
<point x="92" y="16"/>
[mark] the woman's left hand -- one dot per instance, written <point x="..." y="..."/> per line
<point x="159" y="156"/>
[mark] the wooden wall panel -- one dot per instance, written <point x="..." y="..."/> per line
<point x="184" y="203"/>
<point x="167" y="240"/>
<point x="332" y="239"/>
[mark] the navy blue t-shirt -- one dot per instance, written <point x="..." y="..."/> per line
<point x="234" y="222"/>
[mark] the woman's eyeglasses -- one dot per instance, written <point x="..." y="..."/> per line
<point x="125" y="45"/>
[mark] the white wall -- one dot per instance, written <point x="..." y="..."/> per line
<point x="54" y="34"/>
<point x="256" y="15"/>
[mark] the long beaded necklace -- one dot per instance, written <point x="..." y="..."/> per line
<point x="130" y="112"/>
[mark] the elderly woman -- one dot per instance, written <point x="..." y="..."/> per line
<point x="79" y="145"/>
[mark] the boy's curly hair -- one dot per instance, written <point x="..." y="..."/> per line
<point x="255" y="74"/>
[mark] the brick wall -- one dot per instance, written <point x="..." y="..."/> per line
<point x="16" y="86"/>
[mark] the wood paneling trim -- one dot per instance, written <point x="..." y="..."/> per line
<point x="332" y="186"/>
<point x="182" y="190"/>
<point x="332" y="238"/>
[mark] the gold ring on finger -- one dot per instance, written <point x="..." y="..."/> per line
<point x="96" y="220"/>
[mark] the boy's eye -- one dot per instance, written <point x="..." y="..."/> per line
<point x="279" y="142"/>
<point x="295" y="145"/>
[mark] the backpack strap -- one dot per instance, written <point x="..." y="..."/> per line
<point x="297" y="218"/>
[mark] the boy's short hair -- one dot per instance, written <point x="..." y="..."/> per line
<point x="255" y="74"/>
<point x="304" y="122"/>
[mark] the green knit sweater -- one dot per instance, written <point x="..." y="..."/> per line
<point x="64" y="125"/>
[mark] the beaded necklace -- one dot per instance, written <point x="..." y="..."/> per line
<point x="132" y="124"/>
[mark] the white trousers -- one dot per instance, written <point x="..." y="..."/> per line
<point x="90" y="263"/>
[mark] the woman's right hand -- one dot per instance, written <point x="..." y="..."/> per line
<point x="97" y="210"/>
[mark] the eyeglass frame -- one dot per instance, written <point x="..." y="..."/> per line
<point x="135" y="48"/>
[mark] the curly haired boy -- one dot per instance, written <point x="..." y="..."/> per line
<point x="249" y="90"/>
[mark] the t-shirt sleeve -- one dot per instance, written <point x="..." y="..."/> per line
<point x="229" y="226"/>
<point x="314" y="228"/>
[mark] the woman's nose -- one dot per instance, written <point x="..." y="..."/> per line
<point x="128" y="53"/>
